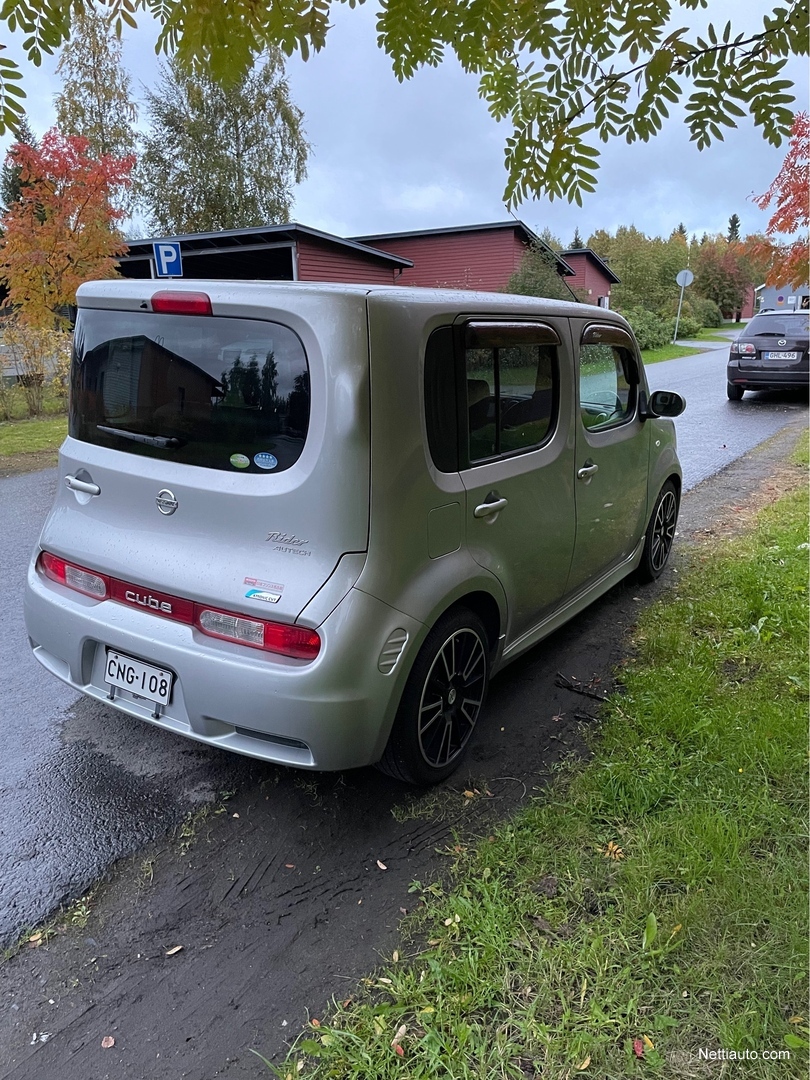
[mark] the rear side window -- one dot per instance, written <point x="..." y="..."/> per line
<point x="229" y="394"/>
<point x="512" y="387"/>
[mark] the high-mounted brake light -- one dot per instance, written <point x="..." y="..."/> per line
<point x="74" y="577"/>
<point x="169" y="302"/>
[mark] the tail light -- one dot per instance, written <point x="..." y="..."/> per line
<point x="282" y="638"/>
<point x="743" y="348"/>
<point x="74" y="577"/>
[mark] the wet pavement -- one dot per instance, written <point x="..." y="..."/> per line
<point x="81" y="786"/>
<point x="714" y="431"/>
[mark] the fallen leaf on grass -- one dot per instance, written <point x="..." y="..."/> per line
<point x="315" y="1023"/>
<point x="398" y="1037"/>
<point x="107" y="1042"/>
<point x="638" y="1048"/>
<point x="395" y="957"/>
<point x="648" y="1042"/>
<point x="584" y="1065"/>
<point x="381" y="865"/>
<point x="176" y="949"/>
<point x="399" y="1050"/>
<point x="612" y="851"/>
<point x="796" y="1020"/>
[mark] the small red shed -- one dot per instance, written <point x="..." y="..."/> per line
<point x="271" y="253"/>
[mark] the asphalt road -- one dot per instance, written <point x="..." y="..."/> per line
<point x="82" y="786"/>
<point x="715" y="431"/>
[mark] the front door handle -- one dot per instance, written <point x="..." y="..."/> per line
<point x="587" y="471"/>
<point x="75" y="484"/>
<point x="487" y="509"/>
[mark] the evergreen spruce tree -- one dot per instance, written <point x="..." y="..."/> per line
<point x="10" y="184"/>
<point x="733" y="228"/>
<point x="577" y="242"/>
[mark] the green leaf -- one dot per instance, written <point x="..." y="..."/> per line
<point x="650" y="931"/>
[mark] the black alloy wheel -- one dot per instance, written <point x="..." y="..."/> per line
<point x="441" y="703"/>
<point x="660" y="534"/>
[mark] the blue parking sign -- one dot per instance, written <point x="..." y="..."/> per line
<point x="167" y="259"/>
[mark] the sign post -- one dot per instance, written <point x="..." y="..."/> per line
<point x="683" y="278"/>
<point x="168" y="262"/>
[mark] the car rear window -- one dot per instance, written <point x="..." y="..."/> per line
<point x="221" y="393"/>
<point x="795" y="325"/>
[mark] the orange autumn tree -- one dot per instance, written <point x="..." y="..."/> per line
<point x="63" y="228"/>
<point x="789" y="194"/>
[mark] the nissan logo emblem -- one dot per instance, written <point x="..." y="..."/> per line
<point x="166" y="502"/>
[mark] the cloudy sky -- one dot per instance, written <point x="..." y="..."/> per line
<point x="423" y="154"/>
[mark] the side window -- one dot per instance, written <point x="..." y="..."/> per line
<point x="440" y="400"/>
<point x="512" y="387"/>
<point x="607" y="379"/>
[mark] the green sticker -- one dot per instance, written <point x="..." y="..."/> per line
<point x="239" y="461"/>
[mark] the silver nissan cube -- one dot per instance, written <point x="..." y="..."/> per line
<point x="308" y="523"/>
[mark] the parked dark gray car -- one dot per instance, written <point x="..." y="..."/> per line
<point x="770" y="354"/>
<point x="307" y="523"/>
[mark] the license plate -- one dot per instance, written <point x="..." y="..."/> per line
<point x="781" y="356"/>
<point x="143" y="680"/>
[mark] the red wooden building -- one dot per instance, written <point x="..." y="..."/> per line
<point x="271" y="253"/>
<point x="481" y="257"/>
<point x="463" y="257"/>
<point x="592" y="276"/>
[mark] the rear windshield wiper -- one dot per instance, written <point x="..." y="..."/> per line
<point x="163" y="441"/>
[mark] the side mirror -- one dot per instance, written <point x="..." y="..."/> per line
<point x="663" y="403"/>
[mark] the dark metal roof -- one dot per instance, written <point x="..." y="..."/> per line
<point x="600" y="263"/>
<point x="256" y="237"/>
<point x="519" y="226"/>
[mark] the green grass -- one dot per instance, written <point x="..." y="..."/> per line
<point x="654" y="901"/>
<point x="713" y="334"/>
<point x="667" y="352"/>
<point x="28" y="436"/>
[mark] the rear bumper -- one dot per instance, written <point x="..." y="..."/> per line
<point x="767" y="378"/>
<point x="332" y="713"/>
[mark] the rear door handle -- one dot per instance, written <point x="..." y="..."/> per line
<point x="587" y="471"/>
<point x="75" y="484"/>
<point x="487" y="509"/>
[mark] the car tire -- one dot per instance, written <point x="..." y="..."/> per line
<point x="441" y="703"/>
<point x="660" y="534"/>
<point x="734" y="392"/>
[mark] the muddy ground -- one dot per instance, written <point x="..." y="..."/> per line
<point x="226" y="937"/>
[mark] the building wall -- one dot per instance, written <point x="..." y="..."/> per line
<point x="320" y="262"/>
<point x="784" y="298"/>
<point x="469" y="260"/>
<point x="588" y="278"/>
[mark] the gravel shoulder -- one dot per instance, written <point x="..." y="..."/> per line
<point x="282" y="895"/>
